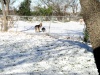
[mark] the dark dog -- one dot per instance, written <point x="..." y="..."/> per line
<point x="43" y="29"/>
<point x="37" y="27"/>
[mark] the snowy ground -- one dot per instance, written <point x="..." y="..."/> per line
<point x="22" y="53"/>
<point x="68" y="28"/>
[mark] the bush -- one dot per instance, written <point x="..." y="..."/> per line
<point x="24" y="9"/>
<point x="86" y="36"/>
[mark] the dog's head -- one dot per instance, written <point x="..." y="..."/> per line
<point x="41" y="24"/>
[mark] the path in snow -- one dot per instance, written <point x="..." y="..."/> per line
<point x="24" y="54"/>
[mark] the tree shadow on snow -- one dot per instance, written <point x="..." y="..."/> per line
<point x="12" y="58"/>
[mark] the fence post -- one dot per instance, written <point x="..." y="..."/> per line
<point x="50" y="24"/>
<point x="17" y="25"/>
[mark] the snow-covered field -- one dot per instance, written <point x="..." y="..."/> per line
<point x="68" y="28"/>
<point x="28" y="53"/>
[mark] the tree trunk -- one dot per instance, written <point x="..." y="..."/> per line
<point x="5" y="25"/>
<point x="7" y="7"/>
<point x="91" y="16"/>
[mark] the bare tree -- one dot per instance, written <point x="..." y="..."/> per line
<point x="74" y="6"/>
<point x="5" y="10"/>
<point x="7" y="6"/>
<point x="91" y="15"/>
<point x="5" y="27"/>
<point x="58" y="6"/>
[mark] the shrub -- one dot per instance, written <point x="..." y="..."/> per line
<point x="86" y="36"/>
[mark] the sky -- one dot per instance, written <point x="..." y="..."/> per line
<point x="17" y="3"/>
